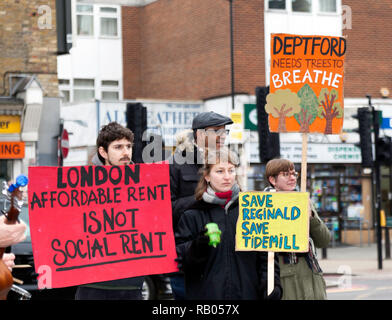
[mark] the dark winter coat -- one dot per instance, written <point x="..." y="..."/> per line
<point x="220" y="273"/>
<point x="184" y="177"/>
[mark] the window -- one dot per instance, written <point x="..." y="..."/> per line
<point x="277" y="4"/>
<point x="83" y="90"/>
<point x="64" y="86"/>
<point x="109" y="90"/>
<point x="108" y="22"/>
<point x="85" y="19"/>
<point x="327" y="5"/>
<point x="109" y="95"/>
<point x="301" y="5"/>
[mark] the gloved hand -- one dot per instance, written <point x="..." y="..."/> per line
<point x="276" y="294"/>
<point x="9" y="260"/>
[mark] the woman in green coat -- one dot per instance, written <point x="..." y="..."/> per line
<point x="300" y="273"/>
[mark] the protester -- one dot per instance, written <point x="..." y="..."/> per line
<point x="114" y="147"/>
<point x="300" y="273"/>
<point x="220" y="272"/>
<point x="208" y="130"/>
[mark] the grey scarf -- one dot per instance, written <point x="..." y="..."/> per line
<point x="209" y="196"/>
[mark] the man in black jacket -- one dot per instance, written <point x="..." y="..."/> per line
<point x="208" y="131"/>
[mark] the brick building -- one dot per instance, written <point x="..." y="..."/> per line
<point x="28" y="43"/>
<point x="369" y="47"/>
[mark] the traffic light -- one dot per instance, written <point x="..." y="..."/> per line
<point x="136" y="116"/>
<point x="384" y="151"/>
<point x="269" y="144"/>
<point x="364" y="116"/>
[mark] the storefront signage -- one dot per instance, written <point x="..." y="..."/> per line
<point x="322" y="153"/>
<point x="250" y="118"/>
<point x="9" y="124"/>
<point x="317" y="152"/>
<point x="12" y="150"/>
<point x="386" y="123"/>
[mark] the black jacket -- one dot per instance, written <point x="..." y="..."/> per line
<point x="220" y="273"/>
<point x="184" y="177"/>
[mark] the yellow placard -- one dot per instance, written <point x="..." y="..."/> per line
<point x="9" y="124"/>
<point x="273" y="221"/>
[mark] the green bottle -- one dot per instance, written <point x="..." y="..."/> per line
<point x="214" y="234"/>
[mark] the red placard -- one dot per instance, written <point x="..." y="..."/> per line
<point x="97" y="223"/>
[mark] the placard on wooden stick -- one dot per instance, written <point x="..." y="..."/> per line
<point x="92" y="224"/>
<point x="273" y="222"/>
<point x="306" y="84"/>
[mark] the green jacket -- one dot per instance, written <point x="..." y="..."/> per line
<point x="298" y="279"/>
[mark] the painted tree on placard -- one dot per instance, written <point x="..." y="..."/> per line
<point x="329" y="109"/>
<point x="309" y="108"/>
<point x="281" y="104"/>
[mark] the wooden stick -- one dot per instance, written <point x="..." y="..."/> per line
<point x="304" y="164"/>
<point x="270" y="272"/>
<point x="16" y="280"/>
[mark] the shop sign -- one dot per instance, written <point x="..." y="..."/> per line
<point x="317" y="152"/>
<point x="386" y="123"/>
<point x="322" y="153"/>
<point x="12" y="150"/>
<point x="166" y="119"/>
<point x="9" y="124"/>
<point x="250" y="118"/>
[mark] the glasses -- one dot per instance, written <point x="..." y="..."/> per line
<point x="219" y="132"/>
<point x="289" y="174"/>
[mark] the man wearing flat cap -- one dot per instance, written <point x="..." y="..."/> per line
<point x="208" y="130"/>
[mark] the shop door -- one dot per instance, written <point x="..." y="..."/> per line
<point x="325" y="196"/>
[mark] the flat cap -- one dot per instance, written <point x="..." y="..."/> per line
<point x="210" y="119"/>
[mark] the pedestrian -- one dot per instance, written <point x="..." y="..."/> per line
<point x="208" y="130"/>
<point x="114" y="147"/>
<point x="221" y="272"/>
<point x="301" y="275"/>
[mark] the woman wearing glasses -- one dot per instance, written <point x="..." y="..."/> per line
<point x="300" y="273"/>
